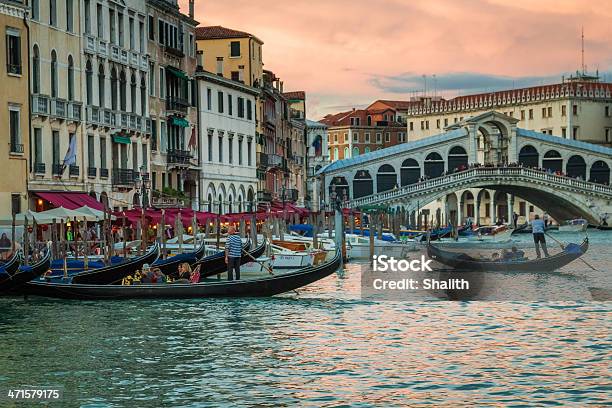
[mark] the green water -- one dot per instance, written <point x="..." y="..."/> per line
<point x="323" y="347"/>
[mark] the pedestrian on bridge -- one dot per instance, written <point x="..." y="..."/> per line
<point x="538" y="228"/>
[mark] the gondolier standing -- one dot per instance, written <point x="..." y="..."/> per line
<point x="233" y="253"/>
<point x="538" y="228"/>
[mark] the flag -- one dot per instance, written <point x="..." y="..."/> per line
<point x="70" y="157"/>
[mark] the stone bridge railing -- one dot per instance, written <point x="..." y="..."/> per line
<point x="476" y="174"/>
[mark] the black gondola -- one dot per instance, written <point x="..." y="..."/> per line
<point x="169" y="266"/>
<point x="465" y="262"/>
<point x="115" y="273"/>
<point x="10" y="266"/>
<point x="25" y="273"/>
<point x="265" y="286"/>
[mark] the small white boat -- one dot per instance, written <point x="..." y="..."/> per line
<point x="282" y="258"/>
<point x="576" y="225"/>
<point x="358" y="247"/>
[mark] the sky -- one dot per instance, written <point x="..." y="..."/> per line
<point x="349" y="53"/>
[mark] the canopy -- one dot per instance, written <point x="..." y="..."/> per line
<point x="64" y="214"/>
<point x="70" y="200"/>
<point x="31" y="216"/>
<point x="95" y="213"/>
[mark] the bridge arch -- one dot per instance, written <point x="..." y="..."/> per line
<point x="529" y="156"/>
<point x="363" y="185"/>
<point x="386" y="178"/>
<point x="600" y="172"/>
<point x="340" y="186"/>
<point x="434" y="165"/>
<point x="410" y="172"/>
<point x="576" y="167"/>
<point x="457" y="158"/>
<point x="552" y="160"/>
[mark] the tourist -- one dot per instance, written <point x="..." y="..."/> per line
<point x="146" y="274"/>
<point x="515" y="217"/>
<point x="184" y="273"/>
<point x="233" y="253"/>
<point x="538" y="227"/>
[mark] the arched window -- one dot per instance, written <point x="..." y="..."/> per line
<point x="576" y="167"/>
<point x="457" y="159"/>
<point x="346" y="153"/>
<point x="386" y="178"/>
<point x="113" y="89"/>
<point x="362" y="184"/>
<point x="53" y="74"/>
<point x="434" y="165"/>
<point x="35" y="70"/>
<point x="143" y="96"/>
<point x="88" y="83"/>
<point x="355" y="151"/>
<point x="600" y="172"/>
<point x="133" y="92"/>
<point x="101" y="86"/>
<point x="552" y="161"/>
<point x="336" y="156"/>
<point x="529" y="157"/>
<point x="122" y="91"/>
<point x="70" y="78"/>
<point x="410" y="172"/>
<point x="340" y="187"/>
<point x="369" y="120"/>
<point x="366" y="150"/>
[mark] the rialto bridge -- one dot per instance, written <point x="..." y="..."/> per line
<point x="482" y="168"/>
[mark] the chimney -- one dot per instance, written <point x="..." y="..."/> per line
<point x="281" y="86"/>
<point x="191" y="9"/>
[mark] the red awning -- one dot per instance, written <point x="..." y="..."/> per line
<point x="70" y="200"/>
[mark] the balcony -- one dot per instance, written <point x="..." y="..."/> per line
<point x="123" y="177"/>
<point x="58" y="169"/>
<point x="274" y="160"/>
<point x="132" y="122"/>
<point x="148" y="125"/>
<point x="74" y="111"/>
<point x="74" y="171"/>
<point x="58" y="108"/>
<point x="291" y="194"/>
<point x="115" y="54"/>
<point x="16" y="148"/>
<point x="90" y="43"/>
<point x="39" y="168"/>
<point x="179" y="157"/>
<point x="124" y="57"/>
<point x="103" y="173"/>
<point x="177" y="105"/>
<point x="92" y="172"/>
<point x="40" y="105"/>
<point x="144" y="63"/>
<point x="175" y="52"/>
<point x="123" y="120"/>
<point x="134" y="60"/>
<point x="264" y="196"/>
<point x="102" y="48"/>
<point x="109" y="118"/>
<point x="262" y="160"/>
<point x="92" y="115"/>
<point x="145" y="176"/>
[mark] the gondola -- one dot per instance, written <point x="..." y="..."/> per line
<point x="258" y="287"/>
<point x="170" y="265"/>
<point x="465" y="262"/>
<point x="24" y="274"/>
<point x="215" y="264"/>
<point x="115" y="273"/>
<point x="10" y="266"/>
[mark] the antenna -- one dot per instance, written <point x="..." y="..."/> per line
<point x="583" y="68"/>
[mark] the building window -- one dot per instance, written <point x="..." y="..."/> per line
<point x="411" y="126"/>
<point x="388" y="137"/>
<point x="35" y="5"/>
<point x="38" y="147"/>
<point x="530" y="113"/>
<point x="549" y="114"/>
<point x="152" y="78"/>
<point x="145" y="155"/>
<point x="575" y="110"/>
<point x="235" y="49"/>
<point x="607" y="111"/>
<point x="69" y="18"/>
<point x="249" y="110"/>
<point x="52" y="13"/>
<point x="151" y="28"/>
<point x="522" y="115"/>
<point x="101" y="86"/>
<point x="575" y="133"/>
<point x="240" y="107"/>
<point x="378" y="137"/>
<point x="141" y="36"/>
<point x="230" y="150"/>
<point x="162" y="83"/>
<point x="563" y="110"/>
<point x="608" y="137"/>
<point x="367" y="137"/>
<point x="70" y="78"/>
<point x="100" y="20"/>
<point x="163" y="138"/>
<point x="15" y="203"/>
<point x="543" y="112"/>
<point x="355" y="137"/>
<point x="346" y="137"/>
<point x="13" y="51"/>
<point x="522" y="209"/>
<point x="91" y="161"/>
<point x="445" y="122"/>
<point x="220" y="101"/>
<point x="220" y="148"/>
<point x="36" y="70"/>
<point x="220" y="66"/>
<point x="131" y="33"/>
<point x="154" y="134"/>
<point x="210" y="147"/>
<point x="249" y="153"/>
<point x="133" y="92"/>
<point x="427" y="124"/>
<point x="15" y="130"/>
<point x="209" y="99"/>
<point x="230" y="105"/>
<point x="143" y="96"/>
<point x="240" y="151"/>
<point x="113" y="88"/>
<point x="53" y="74"/>
<point x="564" y="132"/>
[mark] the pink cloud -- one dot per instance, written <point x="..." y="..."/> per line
<point x="336" y="50"/>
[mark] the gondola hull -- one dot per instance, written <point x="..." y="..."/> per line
<point x="547" y="264"/>
<point x="260" y="287"/>
<point x="10" y="266"/>
<point x="25" y="274"/>
<point x="170" y="266"/>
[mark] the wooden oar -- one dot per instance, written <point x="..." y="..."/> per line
<point x="259" y="262"/>
<point x="563" y="247"/>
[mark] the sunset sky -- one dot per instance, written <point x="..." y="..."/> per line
<point x="348" y="53"/>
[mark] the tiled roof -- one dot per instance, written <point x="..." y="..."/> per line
<point x="393" y="104"/>
<point x="220" y="32"/>
<point x="344" y="118"/>
<point x="295" y="95"/>
<point x="313" y="124"/>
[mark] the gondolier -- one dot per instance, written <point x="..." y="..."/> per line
<point x="538" y="228"/>
<point x="233" y="253"/>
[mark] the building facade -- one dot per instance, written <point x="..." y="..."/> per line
<point x="578" y="108"/>
<point x="15" y="108"/>
<point x="172" y="105"/>
<point x="228" y="144"/>
<point x="317" y="157"/>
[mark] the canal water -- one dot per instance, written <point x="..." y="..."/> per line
<point x="325" y="346"/>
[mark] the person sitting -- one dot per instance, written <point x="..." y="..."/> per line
<point x="146" y="274"/>
<point x="516" y="254"/>
<point x="183" y="273"/>
<point x="157" y="276"/>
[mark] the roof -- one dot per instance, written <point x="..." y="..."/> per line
<point x="392" y="104"/>
<point x="295" y="95"/>
<point x="313" y="124"/>
<point x="220" y="32"/>
<point x="565" y="142"/>
<point x="399" y="148"/>
<point x="344" y="118"/>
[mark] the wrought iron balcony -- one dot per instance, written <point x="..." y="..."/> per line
<point x="123" y="177"/>
<point x="16" y="148"/>
<point x="176" y="156"/>
<point x="175" y="52"/>
<point x="274" y="160"/>
<point x="177" y="105"/>
<point x="74" y="171"/>
<point x="58" y="169"/>
<point x="262" y="160"/>
<point x="39" y="168"/>
<point x="264" y="196"/>
<point x="291" y="194"/>
<point x="103" y="173"/>
<point x="92" y="172"/>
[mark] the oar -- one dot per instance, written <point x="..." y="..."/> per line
<point x="259" y="262"/>
<point x="563" y="247"/>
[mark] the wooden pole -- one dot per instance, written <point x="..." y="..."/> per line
<point x="254" y="227"/>
<point x="26" y="241"/>
<point x="194" y="230"/>
<point x="13" y="235"/>
<point x="315" y="230"/>
<point x="372" y="218"/>
<point x="143" y="235"/>
<point x="163" y="227"/>
<point x="178" y="224"/>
